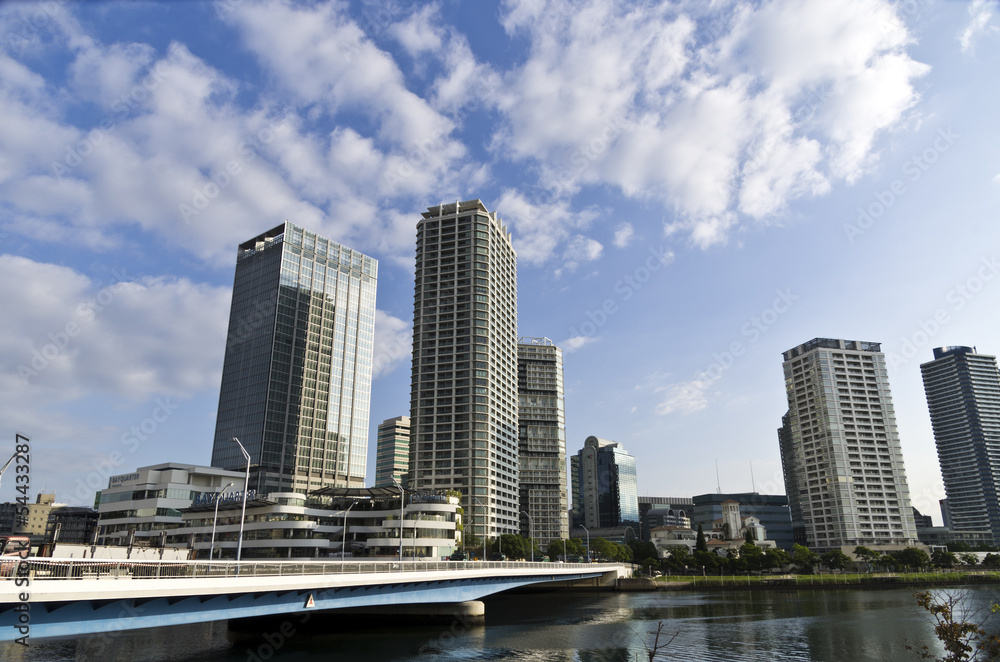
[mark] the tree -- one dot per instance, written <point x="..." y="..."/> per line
<point x="701" y="544"/>
<point x="602" y="549"/>
<point x="959" y="630"/>
<point x="708" y="560"/>
<point x="836" y="560"/>
<point x="869" y="556"/>
<point x="943" y="559"/>
<point x="804" y="559"/>
<point x="753" y="555"/>
<point x="679" y="557"/>
<point x="748" y="537"/>
<point x="554" y="550"/>
<point x="911" y="558"/>
<point x="992" y="561"/>
<point x="969" y="559"/>
<point x="776" y="557"/>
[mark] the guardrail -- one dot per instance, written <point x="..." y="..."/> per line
<point x="63" y="569"/>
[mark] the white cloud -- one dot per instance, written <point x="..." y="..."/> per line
<point x="540" y="227"/>
<point x="74" y="336"/>
<point x="982" y="12"/>
<point x="623" y="235"/>
<point x="393" y="343"/>
<point x="724" y="114"/>
<point x="576" y="342"/>
<point x="684" y="398"/>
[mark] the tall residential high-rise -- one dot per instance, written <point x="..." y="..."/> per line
<point x="842" y="458"/>
<point x="463" y="398"/>
<point x="296" y="381"/>
<point x="963" y="396"/>
<point x="541" y="425"/>
<point x="605" y="492"/>
<point x="392" y="458"/>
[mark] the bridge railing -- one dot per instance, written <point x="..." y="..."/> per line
<point x="62" y="569"/>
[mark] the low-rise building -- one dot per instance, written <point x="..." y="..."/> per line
<point x="293" y="525"/>
<point x="144" y="504"/>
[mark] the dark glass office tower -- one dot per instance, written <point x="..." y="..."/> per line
<point x="296" y="382"/>
<point x="463" y="398"/>
<point x="605" y="484"/>
<point x="963" y="396"/>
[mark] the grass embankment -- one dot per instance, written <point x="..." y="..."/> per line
<point x="845" y="580"/>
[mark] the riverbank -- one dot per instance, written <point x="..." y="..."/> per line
<point x="840" y="581"/>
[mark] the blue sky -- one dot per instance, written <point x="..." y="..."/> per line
<point x="692" y="190"/>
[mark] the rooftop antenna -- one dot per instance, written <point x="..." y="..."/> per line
<point x="753" y="483"/>
<point x="718" y="483"/>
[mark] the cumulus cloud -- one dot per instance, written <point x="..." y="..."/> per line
<point x="576" y="342"/>
<point x="684" y="398"/>
<point x="982" y="12"/>
<point x="723" y="113"/>
<point x="127" y="337"/>
<point x="623" y="235"/>
<point x="393" y="343"/>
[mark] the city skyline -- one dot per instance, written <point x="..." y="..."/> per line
<point x="688" y="196"/>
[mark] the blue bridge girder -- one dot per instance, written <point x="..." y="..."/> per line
<point x="76" y="598"/>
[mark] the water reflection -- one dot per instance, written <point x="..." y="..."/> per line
<point x="747" y="625"/>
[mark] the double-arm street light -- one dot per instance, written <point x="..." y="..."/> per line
<point x="246" y="488"/>
<point x="218" y="498"/>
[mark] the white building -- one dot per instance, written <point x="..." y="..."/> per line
<point x="149" y="500"/>
<point x="292" y="525"/>
<point x="841" y="453"/>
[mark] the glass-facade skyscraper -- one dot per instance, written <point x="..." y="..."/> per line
<point x="605" y="491"/>
<point x="840" y="449"/>
<point x="296" y="381"/>
<point x="541" y="423"/>
<point x="963" y="396"/>
<point x="463" y="397"/>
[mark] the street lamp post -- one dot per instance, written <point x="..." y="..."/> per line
<point x="588" y="541"/>
<point x="401" y="499"/>
<point x="531" y="534"/>
<point x="343" y="543"/>
<point x="243" y="515"/>
<point x="484" y="525"/>
<point x="215" y="520"/>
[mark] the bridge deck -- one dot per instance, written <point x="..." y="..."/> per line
<point x="52" y="597"/>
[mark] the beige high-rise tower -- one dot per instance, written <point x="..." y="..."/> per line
<point x="842" y="456"/>
<point x="463" y="398"/>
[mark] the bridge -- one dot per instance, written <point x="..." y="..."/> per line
<point x="42" y="597"/>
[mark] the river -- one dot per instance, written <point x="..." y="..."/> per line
<point x="772" y="626"/>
